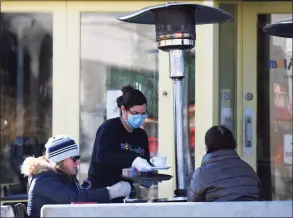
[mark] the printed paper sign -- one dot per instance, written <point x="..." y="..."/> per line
<point x="112" y="110"/>
<point x="226" y="117"/>
<point x="288" y="149"/>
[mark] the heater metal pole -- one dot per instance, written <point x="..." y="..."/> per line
<point x="177" y="75"/>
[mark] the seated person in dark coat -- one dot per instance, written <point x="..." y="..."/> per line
<point x="223" y="176"/>
<point x="52" y="178"/>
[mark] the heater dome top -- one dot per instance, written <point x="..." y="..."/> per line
<point x="283" y="28"/>
<point x="203" y="14"/>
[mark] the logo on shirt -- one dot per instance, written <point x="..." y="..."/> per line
<point x="128" y="147"/>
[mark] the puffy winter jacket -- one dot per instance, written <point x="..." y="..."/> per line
<point x="47" y="186"/>
<point x="223" y="176"/>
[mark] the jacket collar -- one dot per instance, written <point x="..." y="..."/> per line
<point x="219" y="155"/>
<point x="33" y="166"/>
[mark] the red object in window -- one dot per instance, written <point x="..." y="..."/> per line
<point x="192" y="137"/>
<point x="153" y="145"/>
<point x="279" y="157"/>
<point x="281" y="109"/>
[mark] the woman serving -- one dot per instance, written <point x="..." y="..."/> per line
<point x="120" y="142"/>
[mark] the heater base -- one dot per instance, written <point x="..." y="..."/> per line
<point x="180" y="193"/>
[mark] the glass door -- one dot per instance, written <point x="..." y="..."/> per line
<point x="30" y="32"/>
<point x="267" y="100"/>
<point x="274" y="106"/>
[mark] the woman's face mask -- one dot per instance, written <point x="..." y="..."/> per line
<point x="135" y="120"/>
<point x="136" y="116"/>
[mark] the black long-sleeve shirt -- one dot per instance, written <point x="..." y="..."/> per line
<point x="115" y="149"/>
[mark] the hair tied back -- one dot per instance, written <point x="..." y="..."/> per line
<point x="126" y="89"/>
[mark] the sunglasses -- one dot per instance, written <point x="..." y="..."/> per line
<point x="75" y="158"/>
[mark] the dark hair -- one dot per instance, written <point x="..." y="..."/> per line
<point x="219" y="137"/>
<point x="130" y="97"/>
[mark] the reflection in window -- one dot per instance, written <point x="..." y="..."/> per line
<point x="274" y="163"/>
<point x="114" y="54"/>
<point x="25" y="93"/>
<point x="280" y="52"/>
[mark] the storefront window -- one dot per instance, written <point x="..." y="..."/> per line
<point x="114" y="54"/>
<point x="280" y="52"/>
<point x="25" y="93"/>
<point x="274" y="127"/>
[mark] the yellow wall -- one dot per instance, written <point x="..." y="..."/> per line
<point x="206" y="83"/>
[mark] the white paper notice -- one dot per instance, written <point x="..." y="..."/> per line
<point x="112" y="109"/>
<point x="288" y="149"/>
<point x="226" y="114"/>
<point x="226" y="117"/>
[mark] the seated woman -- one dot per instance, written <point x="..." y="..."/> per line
<point x="52" y="178"/>
<point x="223" y="176"/>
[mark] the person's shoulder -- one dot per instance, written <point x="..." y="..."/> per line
<point x="43" y="179"/>
<point x="198" y="172"/>
<point x="45" y="176"/>
<point x="247" y="166"/>
<point x="198" y="176"/>
<point x="111" y="123"/>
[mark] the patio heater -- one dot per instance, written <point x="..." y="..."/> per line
<point x="175" y="32"/>
<point x="282" y="28"/>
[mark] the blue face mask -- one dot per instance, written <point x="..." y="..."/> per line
<point x="136" y="120"/>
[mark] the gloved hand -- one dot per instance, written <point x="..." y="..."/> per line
<point x="141" y="164"/>
<point x="120" y="189"/>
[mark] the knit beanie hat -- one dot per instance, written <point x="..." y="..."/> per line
<point x="61" y="147"/>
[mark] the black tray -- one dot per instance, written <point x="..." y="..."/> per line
<point x="149" y="178"/>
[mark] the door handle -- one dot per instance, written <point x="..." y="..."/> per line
<point x="248" y="132"/>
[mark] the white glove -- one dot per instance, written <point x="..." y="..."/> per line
<point x="120" y="189"/>
<point x="141" y="164"/>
